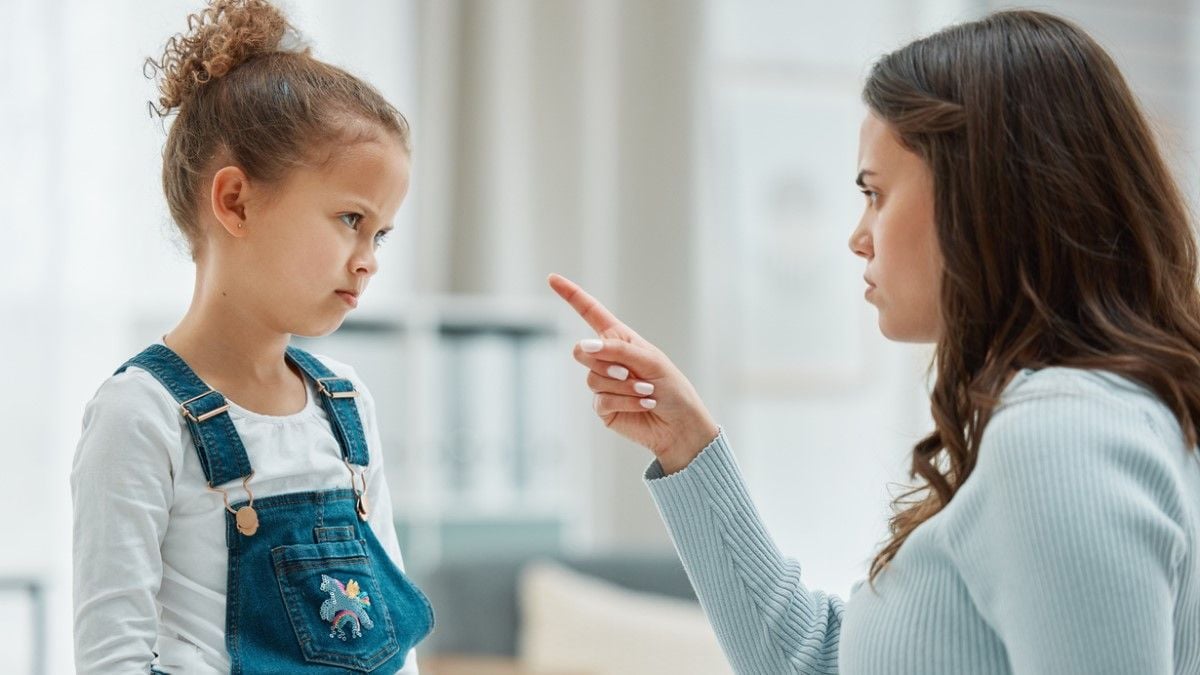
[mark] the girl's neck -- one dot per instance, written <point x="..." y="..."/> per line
<point x="229" y="349"/>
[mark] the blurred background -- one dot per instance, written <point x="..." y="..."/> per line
<point x="691" y="163"/>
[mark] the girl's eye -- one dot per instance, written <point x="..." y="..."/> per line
<point x="351" y="219"/>
<point x="380" y="237"/>
<point x="871" y="196"/>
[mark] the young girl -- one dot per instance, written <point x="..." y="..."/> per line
<point x="1019" y="216"/>
<point x="230" y="507"/>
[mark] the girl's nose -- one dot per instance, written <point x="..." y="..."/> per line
<point x="365" y="262"/>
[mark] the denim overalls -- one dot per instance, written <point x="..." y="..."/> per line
<point x="304" y="560"/>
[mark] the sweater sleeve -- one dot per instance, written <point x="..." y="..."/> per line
<point x="1067" y="535"/>
<point x="121" y="489"/>
<point x="765" y="618"/>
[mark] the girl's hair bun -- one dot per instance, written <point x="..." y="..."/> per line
<point x="219" y="38"/>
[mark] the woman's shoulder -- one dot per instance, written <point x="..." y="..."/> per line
<point x="1067" y="442"/>
<point x="1063" y="381"/>
<point x="1054" y="397"/>
<point x="1078" y="420"/>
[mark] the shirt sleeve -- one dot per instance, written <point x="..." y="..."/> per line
<point x="381" y="515"/>
<point x="121" y="490"/>
<point x="765" y="618"/>
<point x="1068" y="538"/>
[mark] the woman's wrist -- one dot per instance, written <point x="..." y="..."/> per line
<point x="680" y="454"/>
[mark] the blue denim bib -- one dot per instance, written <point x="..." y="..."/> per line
<point x="310" y="587"/>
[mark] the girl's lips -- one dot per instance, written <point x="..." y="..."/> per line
<point x="348" y="298"/>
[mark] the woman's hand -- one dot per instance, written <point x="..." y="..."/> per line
<point x="640" y="394"/>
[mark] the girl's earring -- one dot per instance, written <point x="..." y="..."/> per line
<point x="240" y="225"/>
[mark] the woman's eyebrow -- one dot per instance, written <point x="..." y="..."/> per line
<point x="859" y="179"/>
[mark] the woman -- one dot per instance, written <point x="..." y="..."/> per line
<point x="1019" y="216"/>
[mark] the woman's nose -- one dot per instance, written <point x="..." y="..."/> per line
<point x="860" y="243"/>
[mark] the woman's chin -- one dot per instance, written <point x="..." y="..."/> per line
<point x="899" y="331"/>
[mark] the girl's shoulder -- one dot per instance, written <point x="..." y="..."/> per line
<point x="343" y="369"/>
<point x="131" y="426"/>
<point x="133" y="394"/>
<point x="137" y="389"/>
<point x="340" y="368"/>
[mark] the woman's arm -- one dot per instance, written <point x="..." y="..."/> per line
<point x="121" y="492"/>
<point x="767" y="621"/>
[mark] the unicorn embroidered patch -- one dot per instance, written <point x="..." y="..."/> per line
<point x="346" y="606"/>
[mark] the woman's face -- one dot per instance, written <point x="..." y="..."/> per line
<point x="313" y="238"/>
<point x="896" y="235"/>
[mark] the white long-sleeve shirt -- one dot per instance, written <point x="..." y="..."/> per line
<point x="150" y="561"/>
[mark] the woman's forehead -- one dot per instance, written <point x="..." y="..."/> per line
<point x="880" y="149"/>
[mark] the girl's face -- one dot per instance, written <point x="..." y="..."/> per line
<point x="896" y="235"/>
<point x="307" y="248"/>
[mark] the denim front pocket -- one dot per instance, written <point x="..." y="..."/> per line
<point x="329" y="589"/>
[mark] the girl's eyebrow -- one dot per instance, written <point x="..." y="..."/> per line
<point x="361" y="205"/>
<point x="365" y="208"/>
<point x="859" y="180"/>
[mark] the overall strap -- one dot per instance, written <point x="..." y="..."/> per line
<point x="337" y="396"/>
<point x="222" y="455"/>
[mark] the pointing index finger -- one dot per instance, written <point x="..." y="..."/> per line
<point x="595" y="314"/>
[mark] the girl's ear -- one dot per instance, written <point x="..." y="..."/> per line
<point x="230" y="189"/>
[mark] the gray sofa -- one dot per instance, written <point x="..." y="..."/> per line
<point x="475" y="601"/>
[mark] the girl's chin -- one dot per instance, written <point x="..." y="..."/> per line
<point x="315" y="330"/>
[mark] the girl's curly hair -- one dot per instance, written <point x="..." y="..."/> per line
<point x="246" y="91"/>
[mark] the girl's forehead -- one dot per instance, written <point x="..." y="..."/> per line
<point x="372" y="171"/>
<point x="363" y="155"/>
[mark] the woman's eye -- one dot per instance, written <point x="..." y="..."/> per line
<point x="871" y="195"/>
<point x="351" y="219"/>
<point x="381" y="236"/>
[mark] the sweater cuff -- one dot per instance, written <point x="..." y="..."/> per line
<point x="655" y="470"/>
<point x="713" y="470"/>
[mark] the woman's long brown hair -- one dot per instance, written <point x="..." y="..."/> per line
<point x="1065" y="239"/>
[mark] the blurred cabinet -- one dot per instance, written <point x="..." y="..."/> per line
<point x="469" y="394"/>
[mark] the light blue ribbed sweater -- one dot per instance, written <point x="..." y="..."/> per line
<point x="1071" y="548"/>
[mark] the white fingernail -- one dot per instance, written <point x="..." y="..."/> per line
<point x="596" y="403"/>
<point x="648" y="403"/>
<point x="644" y="388"/>
<point x="591" y="346"/>
<point x="618" y="372"/>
